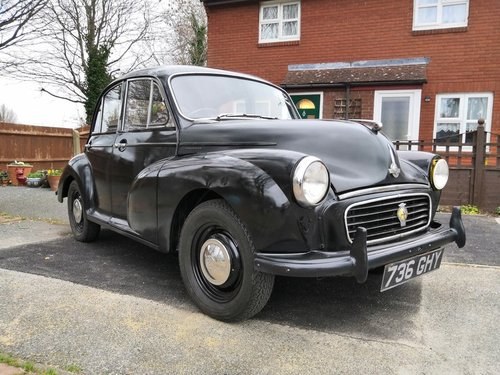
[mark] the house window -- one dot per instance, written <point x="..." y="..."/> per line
<point x="279" y="21"/>
<point x="457" y="115"/>
<point x="440" y="14"/>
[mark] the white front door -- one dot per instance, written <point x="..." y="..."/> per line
<point x="399" y="112"/>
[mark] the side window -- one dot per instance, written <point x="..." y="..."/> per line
<point x="109" y="113"/>
<point x="159" y="114"/>
<point x="136" y="112"/>
<point x="145" y="106"/>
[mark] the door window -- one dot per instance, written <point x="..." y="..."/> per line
<point x="145" y="106"/>
<point x="108" y="117"/>
<point x="399" y="112"/>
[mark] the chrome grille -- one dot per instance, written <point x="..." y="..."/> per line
<point x="379" y="217"/>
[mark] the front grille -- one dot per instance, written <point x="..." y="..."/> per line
<point x="380" y="217"/>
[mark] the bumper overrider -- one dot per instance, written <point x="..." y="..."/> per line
<point x="357" y="260"/>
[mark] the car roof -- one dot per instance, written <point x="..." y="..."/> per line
<point x="165" y="71"/>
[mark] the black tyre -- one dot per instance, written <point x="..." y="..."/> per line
<point x="83" y="229"/>
<point x="216" y="257"/>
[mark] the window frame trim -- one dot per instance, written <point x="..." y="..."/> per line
<point x="439" y="25"/>
<point x="280" y="20"/>
<point x="153" y="80"/>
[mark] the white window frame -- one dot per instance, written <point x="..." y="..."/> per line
<point x="320" y="93"/>
<point x="279" y="20"/>
<point x="439" y="23"/>
<point x="462" y="117"/>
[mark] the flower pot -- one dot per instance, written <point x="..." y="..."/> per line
<point x="15" y="171"/>
<point x="53" y="182"/>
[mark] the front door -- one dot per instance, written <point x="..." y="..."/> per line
<point x="147" y="135"/>
<point x="399" y="112"/>
<point x="309" y="105"/>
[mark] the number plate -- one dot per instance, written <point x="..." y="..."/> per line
<point x="400" y="272"/>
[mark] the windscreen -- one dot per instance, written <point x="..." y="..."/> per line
<point x="216" y="96"/>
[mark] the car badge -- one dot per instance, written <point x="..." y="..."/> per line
<point x="402" y="214"/>
<point x="394" y="170"/>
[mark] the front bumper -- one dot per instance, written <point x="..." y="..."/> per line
<point x="357" y="260"/>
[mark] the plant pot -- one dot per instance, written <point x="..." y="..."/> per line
<point x="15" y="171"/>
<point x="4" y="181"/>
<point x="53" y="182"/>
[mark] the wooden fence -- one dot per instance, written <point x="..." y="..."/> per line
<point x="474" y="165"/>
<point x="43" y="147"/>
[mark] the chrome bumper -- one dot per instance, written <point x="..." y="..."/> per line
<point x="357" y="260"/>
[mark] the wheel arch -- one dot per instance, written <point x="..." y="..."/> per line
<point x="188" y="203"/>
<point x="78" y="169"/>
<point x="258" y="200"/>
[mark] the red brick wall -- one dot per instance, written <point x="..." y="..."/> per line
<point x="467" y="60"/>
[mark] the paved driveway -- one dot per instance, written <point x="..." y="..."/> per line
<point x="116" y="307"/>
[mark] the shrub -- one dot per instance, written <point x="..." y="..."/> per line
<point x="469" y="209"/>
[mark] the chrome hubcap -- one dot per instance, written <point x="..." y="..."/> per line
<point x="77" y="210"/>
<point x="215" y="261"/>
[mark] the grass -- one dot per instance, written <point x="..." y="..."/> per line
<point x="30" y="368"/>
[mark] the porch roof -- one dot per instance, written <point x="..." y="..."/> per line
<point x="358" y="73"/>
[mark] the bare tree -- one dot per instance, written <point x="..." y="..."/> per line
<point x="183" y="38"/>
<point x="7" y="115"/>
<point x="15" y="16"/>
<point x="85" y="44"/>
<point x="18" y="21"/>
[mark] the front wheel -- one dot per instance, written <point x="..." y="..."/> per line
<point x="83" y="229"/>
<point x="216" y="257"/>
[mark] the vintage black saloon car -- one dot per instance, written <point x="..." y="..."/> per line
<point x="219" y="167"/>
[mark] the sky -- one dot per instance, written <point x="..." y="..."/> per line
<point x="32" y="107"/>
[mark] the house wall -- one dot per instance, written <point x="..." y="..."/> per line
<point x="461" y="60"/>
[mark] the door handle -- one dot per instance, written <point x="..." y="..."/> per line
<point x="122" y="145"/>
<point x="88" y="145"/>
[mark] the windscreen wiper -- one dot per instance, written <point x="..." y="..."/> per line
<point x="244" y="115"/>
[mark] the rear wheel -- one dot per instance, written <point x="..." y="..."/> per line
<point x="83" y="229"/>
<point x="216" y="257"/>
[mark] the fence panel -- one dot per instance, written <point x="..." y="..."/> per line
<point x="474" y="167"/>
<point x="43" y="147"/>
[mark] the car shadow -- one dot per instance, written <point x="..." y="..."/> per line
<point x="117" y="264"/>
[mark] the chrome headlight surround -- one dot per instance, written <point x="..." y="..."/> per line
<point x="311" y="181"/>
<point x="439" y="173"/>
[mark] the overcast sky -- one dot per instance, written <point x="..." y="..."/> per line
<point x="32" y="107"/>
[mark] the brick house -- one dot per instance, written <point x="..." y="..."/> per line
<point x="426" y="68"/>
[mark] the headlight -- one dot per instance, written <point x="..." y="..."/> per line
<point x="439" y="173"/>
<point x="311" y="181"/>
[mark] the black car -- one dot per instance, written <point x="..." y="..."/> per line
<point x="219" y="167"/>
